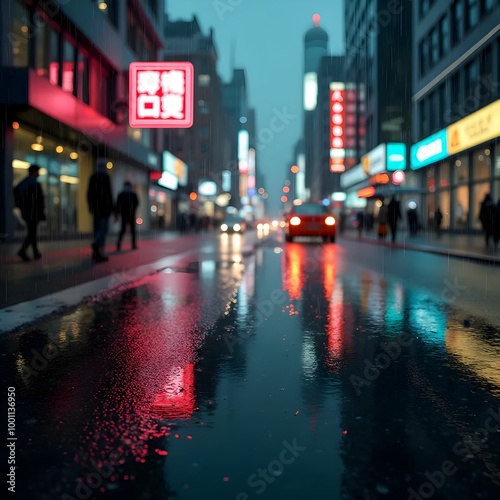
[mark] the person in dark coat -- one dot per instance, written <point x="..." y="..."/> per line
<point x="28" y="197"/>
<point x="496" y="225"/>
<point x="100" y="201"/>
<point x="393" y="215"/>
<point x="126" y="205"/>
<point x="412" y="221"/>
<point x="438" y="219"/>
<point x="486" y="215"/>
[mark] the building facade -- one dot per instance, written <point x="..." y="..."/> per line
<point x="456" y="129"/>
<point x="315" y="48"/>
<point x="325" y="181"/>
<point x="63" y="102"/>
<point x="203" y="147"/>
<point x="378" y="70"/>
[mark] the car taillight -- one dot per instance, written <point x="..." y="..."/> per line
<point x="295" y="221"/>
<point x="330" y="221"/>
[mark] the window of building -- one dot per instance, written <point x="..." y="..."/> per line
<point x="68" y="69"/>
<point x="110" y="9"/>
<point x="456" y="93"/>
<point x="424" y="117"/>
<point x="203" y="147"/>
<point x="434" y="112"/>
<point x="471" y="80"/>
<point x="461" y="207"/>
<point x="444" y="36"/>
<point x="204" y="80"/>
<point x="47" y="52"/>
<point x="444" y="205"/>
<point x="20" y="35"/>
<point x="487" y="6"/>
<point x="457" y="21"/>
<point x="487" y="90"/>
<point x="444" y="175"/>
<point x="204" y="132"/>
<point x="471" y="14"/>
<point x="83" y="76"/>
<point x="434" y="49"/>
<point x="461" y="170"/>
<point x="423" y="50"/>
<point x="481" y="165"/>
<point x="443" y="105"/>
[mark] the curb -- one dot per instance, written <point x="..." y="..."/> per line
<point x="24" y="313"/>
<point x="456" y="254"/>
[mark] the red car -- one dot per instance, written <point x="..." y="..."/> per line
<point x="310" y="219"/>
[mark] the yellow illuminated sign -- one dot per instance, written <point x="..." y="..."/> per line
<point x="477" y="128"/>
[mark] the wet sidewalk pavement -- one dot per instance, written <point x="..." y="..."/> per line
<point x="465" y="246"/>
<point x="66" y="264"/>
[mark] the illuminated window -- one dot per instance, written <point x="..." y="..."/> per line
<point x="19" y="37"/>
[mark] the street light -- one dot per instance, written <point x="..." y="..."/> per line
<point x="294" y="169"/>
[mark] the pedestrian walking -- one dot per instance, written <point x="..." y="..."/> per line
<point x="412" y="221"/>
<point x="486" y="215"/>
<point x="100" y="201"/>
<point x="28" y="197"/>
<point x="360" y="221"/>
<point x="126" y="206"/>
<point x="438" y="219"/>
<point x="496" y="225"/>
<point x="383" y="217"/>
<point x="393" y="214"/>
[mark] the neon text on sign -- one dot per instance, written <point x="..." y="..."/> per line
<point x="337" y="128"/>
<point x="161" y="94"/>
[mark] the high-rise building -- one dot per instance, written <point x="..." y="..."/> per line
<point x="456" y="105"/>
<point x="235" y="103"/>
<point x="325" y="173"/>
<point x="63" y="102"/>
<point x="378" y="70"/>
<point x="315" y="48"/>
<point x="203" y="147"/>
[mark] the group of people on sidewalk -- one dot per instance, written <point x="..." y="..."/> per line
<point x="29" y="200"/>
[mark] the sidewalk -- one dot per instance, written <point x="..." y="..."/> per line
<point x="464" y="246"/>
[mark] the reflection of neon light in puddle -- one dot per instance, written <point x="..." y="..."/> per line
<point x="393" y="313"/>
<point x="427" y="319"/>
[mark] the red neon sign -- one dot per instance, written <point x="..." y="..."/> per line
<point x="161" y="94"/>
<point x="337" y="130"/>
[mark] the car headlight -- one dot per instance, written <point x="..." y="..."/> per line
<point x="224" y="227"/>
<point x="236" y="227"/>
<point x="330" y="221"/>
<point x="295" y="221"/>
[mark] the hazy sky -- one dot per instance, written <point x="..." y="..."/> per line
<point x="268" y="40"/>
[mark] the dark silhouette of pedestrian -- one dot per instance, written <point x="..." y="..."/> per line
<point x="100" y="200"/>
<point x="486" y="215"/>
<point x="438" y="219"/>
<point x="496" y="225"/>
<point x="126" y="206"/>
<point x="412" y="221"/>
<point x="28" y="197"/>
<point x="360" y="221"/>
<point x="393" y="215"/>
<point x="383" y="216"/>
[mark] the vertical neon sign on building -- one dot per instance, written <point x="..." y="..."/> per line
<point x="337" y="127"/>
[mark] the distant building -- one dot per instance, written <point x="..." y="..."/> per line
<point x="378" y="69"/>
<point x="205" y="146"/>
<point x="324" y="182"/>
<point x="315" y="48"/>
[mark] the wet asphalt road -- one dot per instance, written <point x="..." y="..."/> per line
<point x="302" y="371"/>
